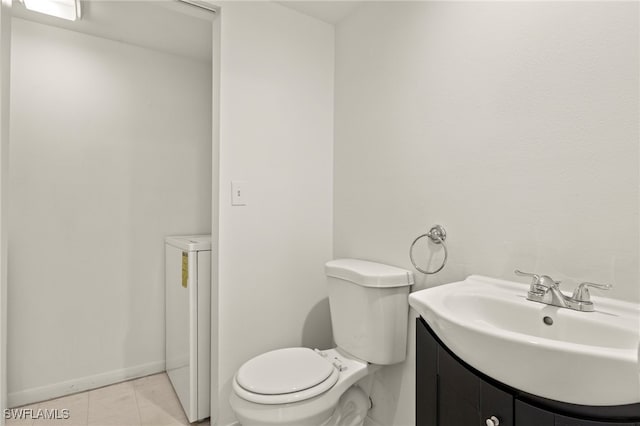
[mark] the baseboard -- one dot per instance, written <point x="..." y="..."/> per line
<point x="81" y="384"/>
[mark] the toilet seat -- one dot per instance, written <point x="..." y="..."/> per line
<point x="284" y="376"/>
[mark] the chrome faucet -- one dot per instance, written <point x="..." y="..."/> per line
<point x="545" y="289"/>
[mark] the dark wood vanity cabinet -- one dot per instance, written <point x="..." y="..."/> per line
<point x="448" y="394"/>
<point x="465" y="399"/>
<point x="528" y="415"/>
<point x="451" y="393"/>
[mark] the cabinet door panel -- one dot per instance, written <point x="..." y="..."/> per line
<point x="464" y="385"/>
<point x="495" y="402"/>
<point x="567" y="421"/>
<point x="426" y="377"/>
<point x="454" y="411"/>
<point x="527" y="415"/>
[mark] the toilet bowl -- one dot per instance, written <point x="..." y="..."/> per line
<point x="306" y="387"/>
<point x="299" y="396"/>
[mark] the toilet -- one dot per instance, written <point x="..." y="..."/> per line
<point x="303" y="386"/>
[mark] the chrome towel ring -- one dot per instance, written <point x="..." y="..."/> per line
<point x="437" y="234"/>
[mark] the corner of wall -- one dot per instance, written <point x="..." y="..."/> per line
<point x="5" y="67"/>
<point x="215" y="214"/>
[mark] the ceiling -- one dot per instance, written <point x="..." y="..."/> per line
<point x="328" y="11"/>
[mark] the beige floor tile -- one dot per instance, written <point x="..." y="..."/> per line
<point x="157" y="402"/>
<point x="114" y="406"/>
<point x="160" y="379"/>
<point x="26" y="420"/>
<point x="116" y="390"/>
<point x="153" y="415"/>
<point x="77" y="406"/>
<point x="114" y="417"/>
<point x="156" y="392"/>
<point x="148" y="401"/>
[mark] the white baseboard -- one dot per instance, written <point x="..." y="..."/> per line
<point x="81" y="384"/>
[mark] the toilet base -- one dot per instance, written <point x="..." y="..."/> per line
<point x="316" y="411"/>
<point x="352" y="409"/>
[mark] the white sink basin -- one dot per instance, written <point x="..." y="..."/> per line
<point x="588" y="358"/>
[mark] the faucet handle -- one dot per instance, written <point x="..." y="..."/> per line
<point x="535" y="277"/>
<point x="535" y="286"/>
<point x="581" y="293"/>
<point x="540" y="283"/>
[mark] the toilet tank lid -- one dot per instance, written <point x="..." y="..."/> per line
<point x="368" y="274"/>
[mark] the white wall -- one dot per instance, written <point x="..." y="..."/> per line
<point x="5" y="68"/>
<point x="513" y="124"/>
<point x="276" y="134"/>
<point x="215" y="216"/>
<point x="110" y="152"/>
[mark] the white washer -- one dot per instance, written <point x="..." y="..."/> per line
<point x="187" y="321"/>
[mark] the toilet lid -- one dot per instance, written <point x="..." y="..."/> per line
<point x="284" y="371"/>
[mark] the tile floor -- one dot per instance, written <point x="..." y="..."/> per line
<point x="148" y="401"/>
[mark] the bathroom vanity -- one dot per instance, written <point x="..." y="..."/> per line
<point x="449" y="392"/>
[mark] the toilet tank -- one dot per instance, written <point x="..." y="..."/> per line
<point x="369" y="309"/>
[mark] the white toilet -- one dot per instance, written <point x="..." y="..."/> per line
<point x="302" y="386"/>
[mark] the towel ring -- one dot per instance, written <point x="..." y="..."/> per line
<point x="437" y="234"/>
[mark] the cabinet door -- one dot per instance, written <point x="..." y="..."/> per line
<point x="426" y="377"/>
<point x="495" y="402"/>
<point x="449" y="394"/>
<point x="527" y="415"/>
<point x="458" y="393"/>
<point x="568" y="421"/>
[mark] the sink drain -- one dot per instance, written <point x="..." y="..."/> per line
<point x="547" y="320"/>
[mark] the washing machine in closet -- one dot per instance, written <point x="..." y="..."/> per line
<point x="188" y="321"/>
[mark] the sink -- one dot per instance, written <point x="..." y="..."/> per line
<point x="587" y="358"/>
